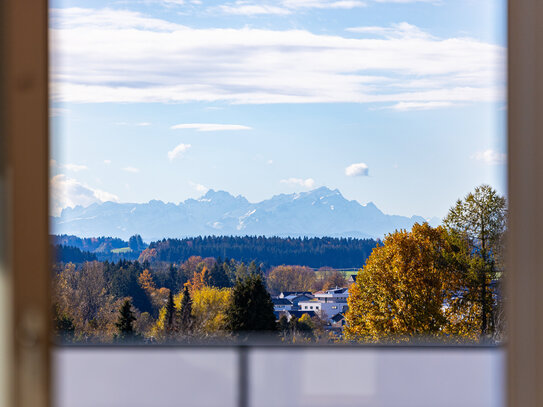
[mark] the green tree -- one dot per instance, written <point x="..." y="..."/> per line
<point x="185" y="316"/>
<point x="64" y="325"/>
<point x="254" y="268"/>
<point x="251" y="307"/>
<point x="217" y="276"/>
<point x="241" y="271"/>
<point x="479" y="221"/>
<point x="302" y="327"/>
<point x="170" y="313"/>
<point x="125" y="322"/>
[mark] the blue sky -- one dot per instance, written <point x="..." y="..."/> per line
<point x="397" y="102"/>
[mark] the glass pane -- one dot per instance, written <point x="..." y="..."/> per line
<point x="198" y="378"/>
<point x="280" y="378"/>
<point x="291" y="167"/>
<point x="382" y="377"/>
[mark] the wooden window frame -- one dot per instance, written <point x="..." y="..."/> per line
<point x="24" y="125"/>
<point x="24" y="157"/>
<point x="525" y="177"/>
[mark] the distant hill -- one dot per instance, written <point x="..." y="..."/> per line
<point x="321" y="212"/>
<point x="66" y="248"/>
<point x="90" y="244"/>
<point x="70" y="254"/>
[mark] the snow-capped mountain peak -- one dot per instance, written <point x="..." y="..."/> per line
<point x="320" y="212"/>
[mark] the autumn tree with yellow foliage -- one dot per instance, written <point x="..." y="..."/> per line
<point x="157" y="296"/>
<point x="209" y="306"/>
<point x="81" y="297"/>
<point x="208" y="314"/>
<point x="406" y="288"/>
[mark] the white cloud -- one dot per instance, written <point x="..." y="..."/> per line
<point x="401" y="30"/>
<point x="409" y="1"/>
<point x="252" y="9"/>
<point x="299" y="182"/>
<point x="323" y="4"/>
<point x="131" y="169"/>
<point x="165" y="3"/>
<point x="69" y="167"/>
<point x="210" y="127"/>
<point x="105" y="20"/>
<point x="74" y="167"/>
<point x="357" y="170"/>
<point x="141" y="124"/>
<point x="166" y="62"/>
<point x="107" y="162"/>
<point x="199" y="187"/>
<point x="68" y="192"/>
<point x="178" y="151"/>
<point x="285" y="7"/>
<point x="270" y="162"/>
<point x="405" y="106"/>
<point x="491" y="157"/>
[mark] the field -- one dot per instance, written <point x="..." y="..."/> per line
<point x="347" y="272"/>
<point x="121" y="250"/>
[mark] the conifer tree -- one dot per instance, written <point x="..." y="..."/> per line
<point x="251" y="308"/>
<point x="170" y="313"/>
<point x="241" y="271"/>
<point x="217" y="277"/>
<point x="254" y="269"/>
<point x="185" y="312"/>
<point x="125" y="322"/>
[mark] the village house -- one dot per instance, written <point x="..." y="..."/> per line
<point x="327" y="303"/>
<point x="281" y="304"/>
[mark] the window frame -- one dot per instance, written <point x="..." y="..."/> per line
<point x="24" y="170"/>
<point x="24" y="125"/>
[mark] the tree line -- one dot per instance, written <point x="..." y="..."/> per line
<point x="271" y="251"/>
<point x="313" y="252"/>
<point x="71" y="254"/>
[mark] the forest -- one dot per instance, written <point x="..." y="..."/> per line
<point x="89" y="296"/>
<point x="313" y="252"/>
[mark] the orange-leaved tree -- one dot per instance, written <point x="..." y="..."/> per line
<point x="406" y="287"/>
<point x="157" y="296"/>
<point x="291" y="278"/>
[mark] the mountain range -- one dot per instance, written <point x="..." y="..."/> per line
<point x="320" y="212"/>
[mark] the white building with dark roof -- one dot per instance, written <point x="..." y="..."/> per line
<point x="327" y="303"/>
<point x="281" y="304"/>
